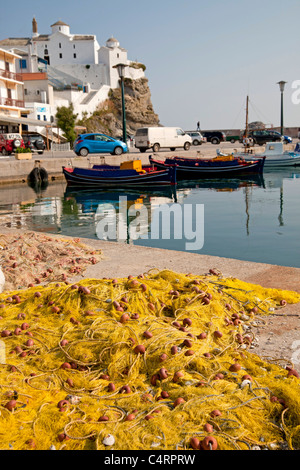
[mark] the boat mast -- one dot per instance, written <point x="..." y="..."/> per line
<point x="247" y="107"/>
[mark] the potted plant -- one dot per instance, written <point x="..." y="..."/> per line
<point x="23" y="153"/>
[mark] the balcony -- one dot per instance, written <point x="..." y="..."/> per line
<point x="11" y="75"/>
<point x="11" y="102"/>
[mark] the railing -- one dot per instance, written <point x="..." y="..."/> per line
<point x="60" y="147"/>
<point x="11" y="75"/>
<point x="11" y="102"/>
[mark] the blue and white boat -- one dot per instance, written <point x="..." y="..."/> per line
<point x="275" y="155"/>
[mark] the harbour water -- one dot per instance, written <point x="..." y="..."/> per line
<point x="248" y="219"/>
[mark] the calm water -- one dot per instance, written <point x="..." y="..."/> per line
<point x="254" y="220"/>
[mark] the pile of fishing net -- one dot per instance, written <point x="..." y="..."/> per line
<point x="160" y="361"/>
<point x="34" y="258"/>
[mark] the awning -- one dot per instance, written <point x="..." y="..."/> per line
<point x="23" y="120"/>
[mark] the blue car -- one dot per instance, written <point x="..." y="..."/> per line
<point x="98" y="143"/>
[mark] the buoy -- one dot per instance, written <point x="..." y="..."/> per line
<point x="38" y="177"/>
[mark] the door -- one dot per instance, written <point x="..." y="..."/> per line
<point x="103" y="143"/>
<point x="180" y="137"/>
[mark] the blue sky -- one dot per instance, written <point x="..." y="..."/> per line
<point x="202" y="57"/>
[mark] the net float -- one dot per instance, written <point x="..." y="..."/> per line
<point x="140" y="349"/>
<point x="209" y="443"/>
<point x="147" y="334"/>
<point x="163" y="357"/>
<point x="194" y="443"/>
<point x="179" y="401"/>
<point x="163" y="373"/>
<point x="177" y="376"/>
<point x="202" y="336"/>
<point x="10" y="405"/>
<point x="218" y="334"/>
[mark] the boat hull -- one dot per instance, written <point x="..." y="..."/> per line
<point x="276" y="161"/>
<point x="83" y="177"/>
<point x="188" y="169"/>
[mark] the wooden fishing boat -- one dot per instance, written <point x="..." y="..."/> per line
<point x="128" y="174"/>
<point x="222" y="166"/>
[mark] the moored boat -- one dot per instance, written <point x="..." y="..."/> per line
<point x="128" y="174"/>
<point x="275" y="156"/>
<point x="221" y="166"/>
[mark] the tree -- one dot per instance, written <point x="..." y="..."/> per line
<point x="66" y="120"/>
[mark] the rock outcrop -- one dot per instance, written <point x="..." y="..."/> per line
<point x="138" y="108"/>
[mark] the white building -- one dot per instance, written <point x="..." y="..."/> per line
<point x="78" y="68"/>
<point x="12" y="105"/>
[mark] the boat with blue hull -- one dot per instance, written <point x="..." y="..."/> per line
<point x="225" y="166"/>
<point x="128" y="174"/>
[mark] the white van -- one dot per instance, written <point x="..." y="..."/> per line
<point x="161" y="137"/>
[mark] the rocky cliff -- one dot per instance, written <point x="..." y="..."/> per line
<point x="138" y="107"/>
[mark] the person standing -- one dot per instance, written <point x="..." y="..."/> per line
<point x="198" y="126"/>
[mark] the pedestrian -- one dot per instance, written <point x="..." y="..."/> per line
<point x="246" y="142"/>
<point x="198" y="126"/>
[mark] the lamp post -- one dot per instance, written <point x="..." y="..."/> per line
<point x="121" y="72"/>
<point x="281" y="87"/>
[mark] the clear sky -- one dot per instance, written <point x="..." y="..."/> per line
<point x="202" y="57"/>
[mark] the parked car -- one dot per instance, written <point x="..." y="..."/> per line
<point x="10" y="142"/>
<point x="197" y="137"/>
<point x="161" y="137"/>
<point x="215" y="137"/>
<point x="287" y="139"/>
<point x="261" y="137"/>
<point x="98" y="143"/>
<point x="35" y="142"/>
<point x="233" y="138"/>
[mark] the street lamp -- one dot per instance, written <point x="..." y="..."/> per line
<point x="121" y="72"/>
<point x="281" y="87"/>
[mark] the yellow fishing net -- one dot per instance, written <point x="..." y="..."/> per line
<point x="161" y="361"/>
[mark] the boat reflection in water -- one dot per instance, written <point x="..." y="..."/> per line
<point x="118" y="210"/>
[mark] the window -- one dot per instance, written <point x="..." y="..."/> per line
<point x="22" y="63"/>
<point x="73" y="46"/>
<point x="25" y="91"/>
<point x="60" y="56"/>
<point x="45" y="118"/>
<point x="59" y="45"/>
<point x="74" y="55"/>
<point x="39" y="117"/>
<point x="142" y="132"/>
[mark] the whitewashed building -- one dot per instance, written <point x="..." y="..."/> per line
<point x="79" y="69"/>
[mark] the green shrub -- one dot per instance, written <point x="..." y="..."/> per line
<point x="23" y="150"/>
